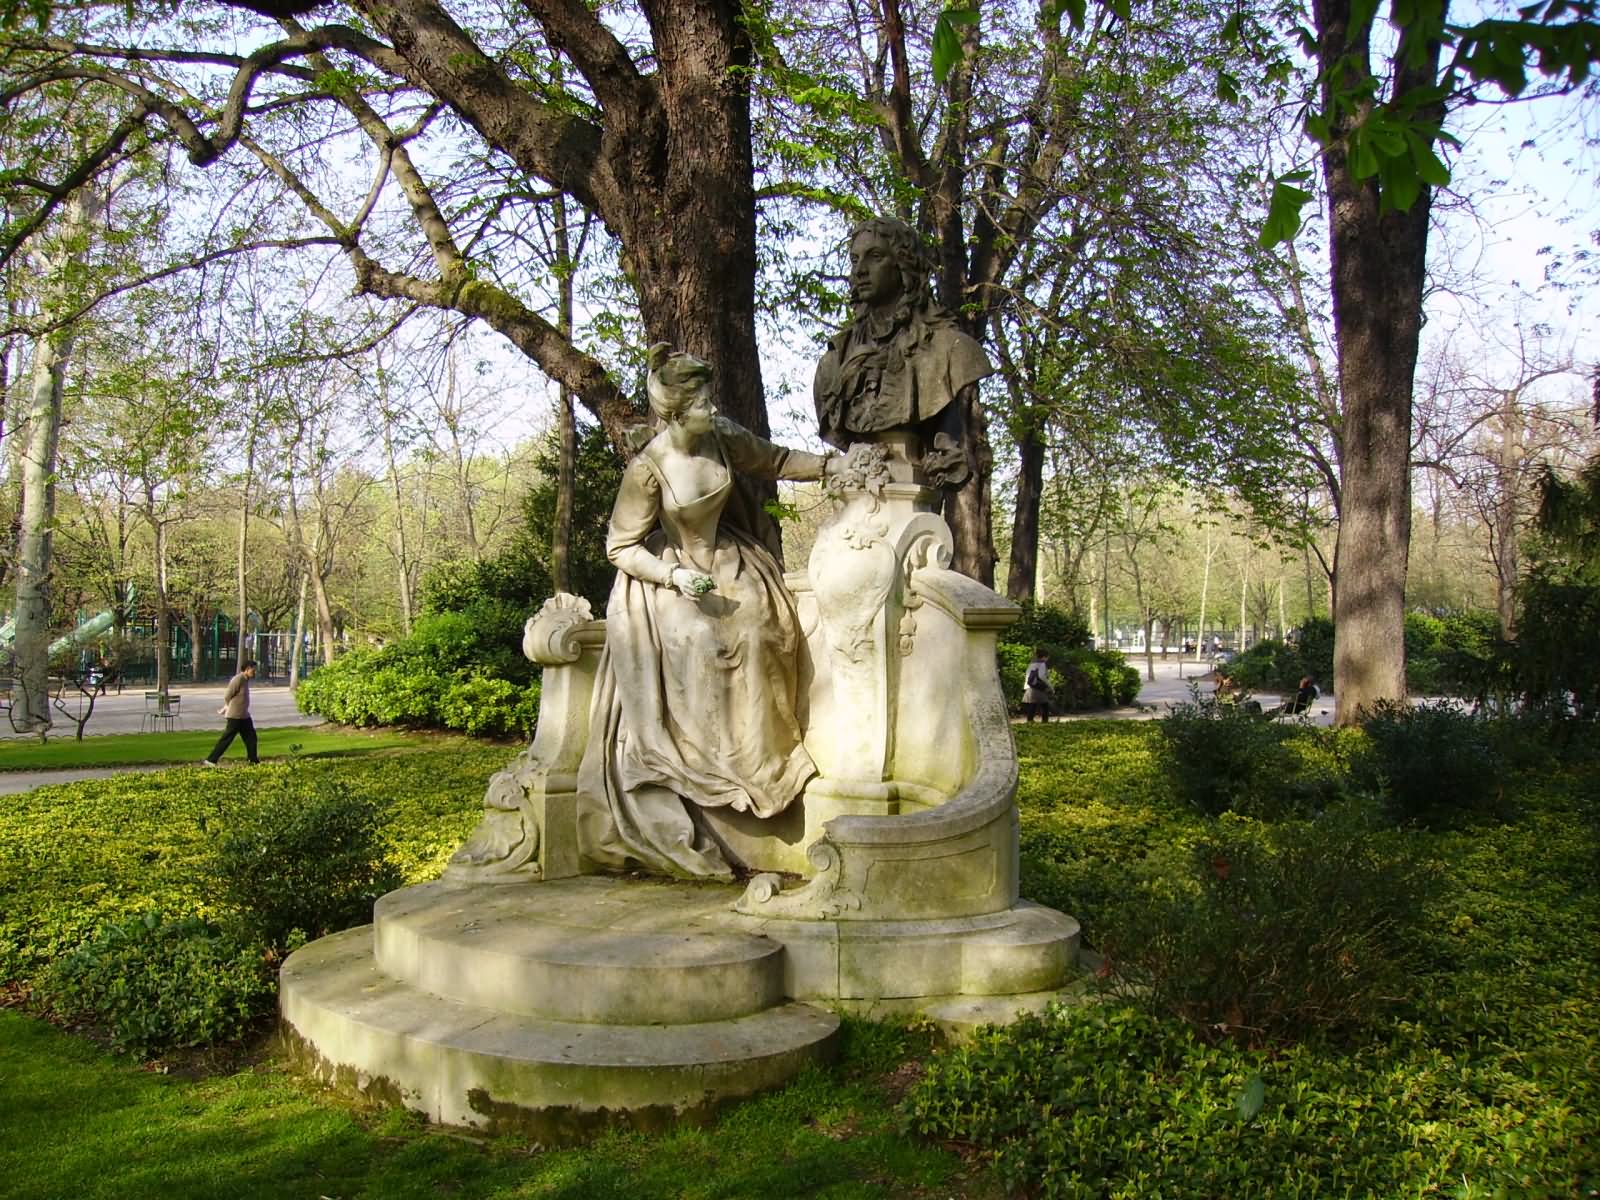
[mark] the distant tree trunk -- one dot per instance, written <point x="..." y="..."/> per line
<point x="1508" y="468"/>
<point x="244" y="529"/>
<point x="567" y="457"/>
<point x="299" y="632"/>
<point x="1024" y="567"/>
<point x="566" y="497"/>
<point x="163" y="605"/>
<point x="1205" y="590"/>
<point x="316" y="570"/>
<point x="402" y="551"/>
<point x="8" y="546"/>
<point x="1105" y="586"/>
<point x="37" y="510"/>
<point x="194" y="646"/>
<point x="1244" y="593"/>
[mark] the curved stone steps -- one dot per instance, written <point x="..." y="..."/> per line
<point x="464" y="1064"/>
<point x="1028" y="948"/>
<point x="577" y="957"/>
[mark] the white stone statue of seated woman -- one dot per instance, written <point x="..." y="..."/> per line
<point x="696" y="700"/>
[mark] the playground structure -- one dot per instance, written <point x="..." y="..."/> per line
<point x="214" y="656"/>
<point x="82" y="635"/>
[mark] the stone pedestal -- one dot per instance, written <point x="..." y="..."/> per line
<point x="559" y="1002"/>
<point x="558" y="1009"/>
<point x="529" y="825"/>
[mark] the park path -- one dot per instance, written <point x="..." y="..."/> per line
<point x="1173" y="676"/>
<point x="274" y="707"/>
<point x="271" y="707"/>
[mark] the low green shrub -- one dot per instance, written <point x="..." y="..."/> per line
<point x="1050" y="625"/>
<point x="1431" y="763"/>
<point x="1271" y="933"/>
<point x="1226" y="758"/>
<point x="1114" y="1104"/>
<point x="155" y="983"/>
<point x="1012" y="659"/>
<point x="484" y="706"/>
<point x="1556" y="660"/>
<point x="309" y="856"/>
<point x="1424" y="641"/>
<point x="1315" y="642"/>
<point x="1114" y="680"/>
<point x="1270" y="665"/>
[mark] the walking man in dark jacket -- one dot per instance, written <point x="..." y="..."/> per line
<point x="236" y="707"/>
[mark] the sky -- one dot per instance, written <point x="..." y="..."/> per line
<point x="1516" y="255"/>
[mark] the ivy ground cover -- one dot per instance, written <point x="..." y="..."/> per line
<point x="1481" y="1077"/>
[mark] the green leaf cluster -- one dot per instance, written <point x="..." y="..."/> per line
<point x="947" y="48"/>
<point x="156" y="984"/>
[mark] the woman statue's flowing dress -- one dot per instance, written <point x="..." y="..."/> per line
<point x="696" y="699"/>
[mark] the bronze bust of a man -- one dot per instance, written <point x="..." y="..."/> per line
<point x="901" y="363"/>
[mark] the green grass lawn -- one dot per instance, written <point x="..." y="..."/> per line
<point x="143" y="749"/>
<point x="79" y="1124"/>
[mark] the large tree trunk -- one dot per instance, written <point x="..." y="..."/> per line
<point x="689" y="222"/>
<point x="1378" y="272"/>
<point x="668" y="167"/>
<point x="967" y="508"/>
<point x="31" y="706"/>
<point x="1378" y="260"/>
<point x="37" y="509"/>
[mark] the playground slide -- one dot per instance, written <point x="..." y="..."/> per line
<point x="92" y="628"/>
<point x="88" y="631"/>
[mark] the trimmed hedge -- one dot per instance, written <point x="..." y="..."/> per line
<point x="1081" y="679"/>
<point x="461" y="671"/>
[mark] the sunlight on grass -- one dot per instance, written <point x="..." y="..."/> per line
<point x="137" y="749"/>
<point x="84" y="1125"/>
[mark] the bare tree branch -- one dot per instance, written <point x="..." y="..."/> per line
<point x="33" y="330"/>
